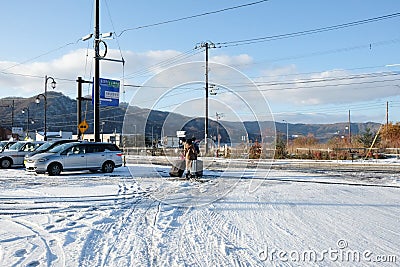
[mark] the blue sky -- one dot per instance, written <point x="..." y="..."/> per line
<point x="42" y="38"/>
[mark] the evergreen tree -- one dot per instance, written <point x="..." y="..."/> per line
<point x="280" y="147"/>
<point x="367" y="138"/>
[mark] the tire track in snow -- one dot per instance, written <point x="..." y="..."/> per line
<point x="130" y="245"/>
<point x="120" y="238"/>
<point x="297" y="228"/>
<point x="165" y="233"/>
<point x="209" y="239"/>
<point x="44" y="205"/>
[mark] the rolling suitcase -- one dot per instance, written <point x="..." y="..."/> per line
<point x="197" y="168"/>
<point x="177" y="169"/>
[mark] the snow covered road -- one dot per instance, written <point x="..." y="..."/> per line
<point x="268" y="218"/>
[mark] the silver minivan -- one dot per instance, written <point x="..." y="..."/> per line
<point x="14" y="155"/>
<point x="92" y="156"/>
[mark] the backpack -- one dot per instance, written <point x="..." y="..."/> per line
<point x="191" y="153"/>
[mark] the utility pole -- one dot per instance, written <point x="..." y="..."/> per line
<point x="349" y="129"/>
<point x="206" y="117"/>
<point x="79" y="100"/>
<point x="96" y="89"/>
<point x="387" y="114"/>
<point x="287" y="135"/>
<point x="12" y="114"/>
<point x="387" y="120"/>
<point x="97" y="58"/>
<point x="206" y="45"/>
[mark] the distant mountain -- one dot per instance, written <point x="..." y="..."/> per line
<point x="62" y="115"/>
<point x="324" y="132"/>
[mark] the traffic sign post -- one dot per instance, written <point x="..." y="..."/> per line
<point x="83" y="126"/>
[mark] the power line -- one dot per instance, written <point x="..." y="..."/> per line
<point x="319" y="72"/>
<point x="318" y="86"/>
<point x="306" y="32"/>
<point x="41" y="55"/>
<point x="136" y="28"/>
<point x="315" y="80"/>
<point x="164" y="63"/>
<point x="190" y="17"/>
<point x="326" y="52"/>
<point x="319" y="80"/>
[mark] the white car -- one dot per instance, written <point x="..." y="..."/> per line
<point x="76" y="156"/>
<point x="5" y="145"/>
<point x="14" y="156"/>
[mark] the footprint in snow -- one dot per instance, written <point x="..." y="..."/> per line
<point x="48" y="227"/>
<point x="71" y="223"/>
<point x="33" y="264"/>
<point x="20" y="253"/>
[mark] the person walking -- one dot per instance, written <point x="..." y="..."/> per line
<point x="190" y="155"/>
<point x="196" y="146"/>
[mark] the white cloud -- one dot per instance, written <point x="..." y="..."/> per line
<point x="28" y="79"/>
<point x="240" y="60"/>
<point x="335" y="87"/>
<point x="289" y="90"/>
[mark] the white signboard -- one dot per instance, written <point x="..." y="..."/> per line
<point x="180" y="133"/>
<point x="17" y="130"/>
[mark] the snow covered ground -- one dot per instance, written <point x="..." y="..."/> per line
<point x="138" y="216"/>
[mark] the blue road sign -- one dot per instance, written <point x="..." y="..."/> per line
<point x="109" y="92"/>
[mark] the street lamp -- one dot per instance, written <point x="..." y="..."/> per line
<point x="135" y="140"/>
<point x="218" y="116"/>
<point x="27" y="120"/>
<point x="287" y="134"/>
<point x="45" y="113"/>
<point x="53" y="85"/>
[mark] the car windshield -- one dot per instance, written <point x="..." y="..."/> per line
<point x="17" y="146"/>
<point x="45" y="146"/>
<point x="60" y="148"/>
<point x="32" y="146"/>
<point x="7" y="146"/>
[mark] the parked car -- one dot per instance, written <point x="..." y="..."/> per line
<point x="47" y="146"/>
<point x="5" y="145"/>
<point x="14" y="155"/>
<point x="92" y="156"/>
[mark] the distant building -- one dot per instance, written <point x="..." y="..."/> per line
<point x="115" y="138"/>
<point x="170" y="142"/>
<point x="53" y="135"/>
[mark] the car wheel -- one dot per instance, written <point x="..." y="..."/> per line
<point x="54" y="169"/>
<point x="5" y="163"/>
<point x="108" y="167"/>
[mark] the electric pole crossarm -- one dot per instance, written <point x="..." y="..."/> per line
<point x="113" y="60"/>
